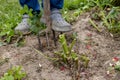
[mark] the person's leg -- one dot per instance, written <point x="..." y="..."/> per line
<point x="33" y="4"/>
<point x="58" y="23"/>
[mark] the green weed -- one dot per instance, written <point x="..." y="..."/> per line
<point x="9" y="18"/>
<point x="108" y="14"/>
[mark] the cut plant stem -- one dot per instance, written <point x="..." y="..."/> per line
<point x="104" y="19"/>
<point x="43" y="54"/>
<point x="72" y="44"/>
<point x="64" y="44"/>
<point x="94" y="25"/>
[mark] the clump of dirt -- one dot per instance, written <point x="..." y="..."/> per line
<point x="100" y="47"/>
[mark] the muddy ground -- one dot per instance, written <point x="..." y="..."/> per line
<point x="100" y="47"/>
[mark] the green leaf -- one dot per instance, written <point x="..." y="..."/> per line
<point x="117" y="67"/>
<point x="9" y="77"/>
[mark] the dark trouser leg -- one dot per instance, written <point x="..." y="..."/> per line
<point x="33" y="4"/>
<point x="56" y="4"/>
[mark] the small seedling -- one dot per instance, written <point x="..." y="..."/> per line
<point x="15" y="73"/>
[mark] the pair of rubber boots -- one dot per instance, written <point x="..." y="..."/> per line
<point x="58" y="23"/>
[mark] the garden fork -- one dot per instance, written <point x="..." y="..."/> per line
<point x="47" y="13"/>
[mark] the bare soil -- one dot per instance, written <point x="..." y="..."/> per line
<point x="100" y="47"/>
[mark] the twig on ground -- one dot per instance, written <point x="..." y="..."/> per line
<point x="44" y="55"/>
